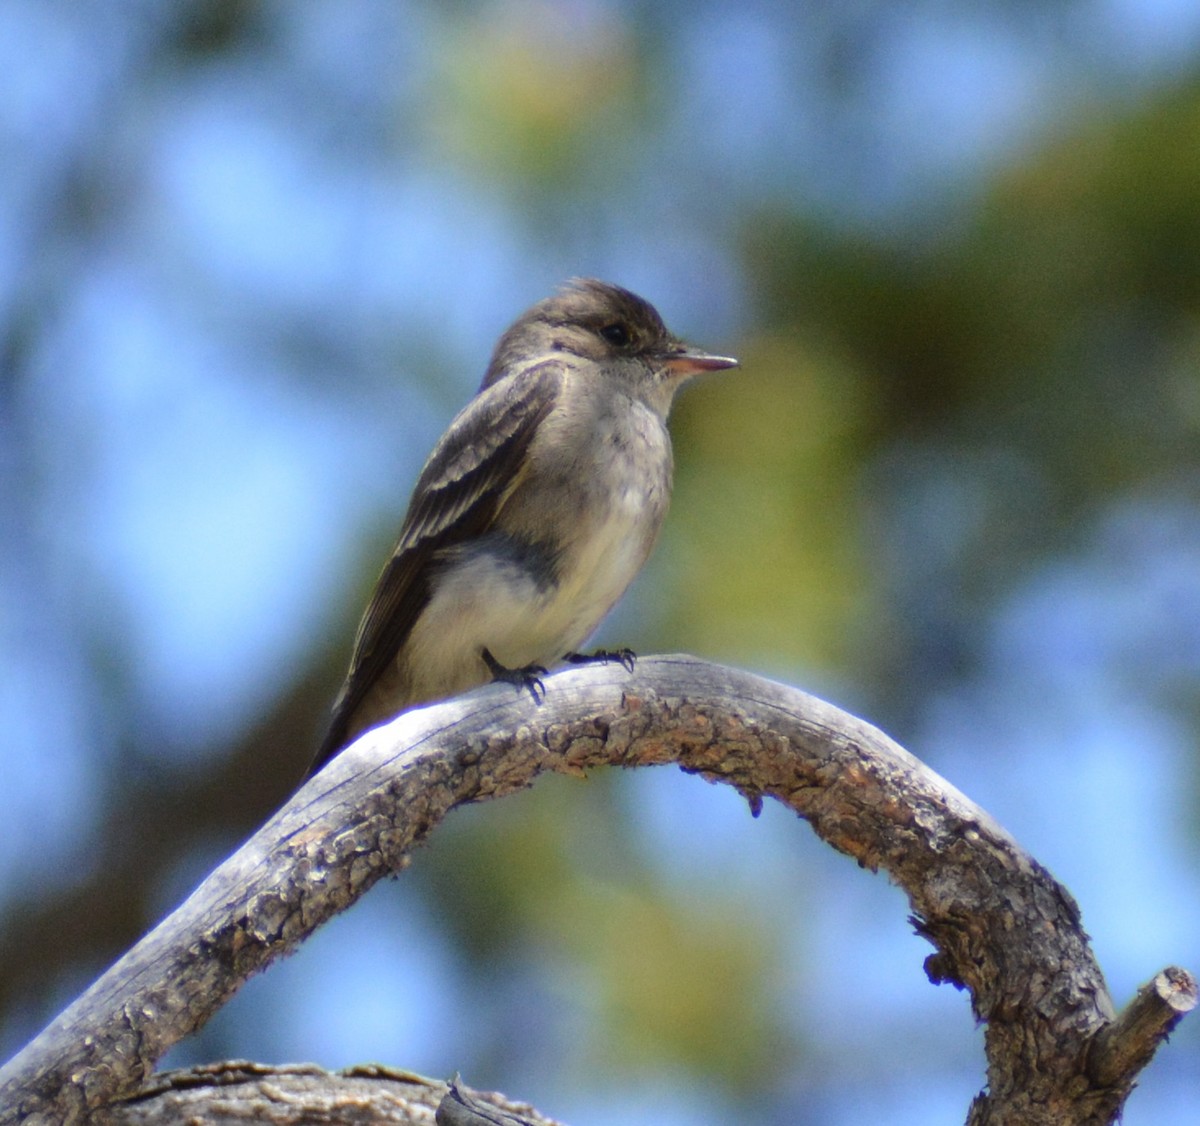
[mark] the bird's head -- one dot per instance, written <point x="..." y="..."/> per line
<point x="595" y="320"/>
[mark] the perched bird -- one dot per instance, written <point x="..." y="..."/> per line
<point x="532" y="515"/>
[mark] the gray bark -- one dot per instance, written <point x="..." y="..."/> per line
<point x="1057" y="1053"/>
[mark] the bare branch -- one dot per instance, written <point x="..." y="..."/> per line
<point x="1124" y="1047"/>
<point x="304" y="1095"/>
<point x="1003" y="928"/>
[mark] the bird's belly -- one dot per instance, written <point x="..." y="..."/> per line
<point x="487" y="599"/>
<point x="482" y="600"/>
<point x="599" y="569"/>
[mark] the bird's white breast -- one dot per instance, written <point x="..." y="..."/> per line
<point x="618" y="500"/>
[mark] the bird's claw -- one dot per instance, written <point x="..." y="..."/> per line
<point x="528" y="678"/>
<point x="624" y="657"/>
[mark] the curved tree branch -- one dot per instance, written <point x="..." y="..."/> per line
<point x="1003" y="928"/>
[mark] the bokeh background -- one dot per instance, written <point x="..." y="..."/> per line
<point x="253" y="257"/>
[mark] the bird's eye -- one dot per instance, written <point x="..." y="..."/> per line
<point x="616" y="334"/>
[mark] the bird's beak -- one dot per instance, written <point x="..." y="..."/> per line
<point x="691" y="361"/>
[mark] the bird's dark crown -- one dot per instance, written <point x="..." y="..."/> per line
<point x="587" y="317"/>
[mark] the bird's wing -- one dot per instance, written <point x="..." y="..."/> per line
<point x="472" y="469"/>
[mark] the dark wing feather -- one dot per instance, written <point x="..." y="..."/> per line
<point x="456" y="499"/>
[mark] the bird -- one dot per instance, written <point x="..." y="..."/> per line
<point x="532" y="515"/>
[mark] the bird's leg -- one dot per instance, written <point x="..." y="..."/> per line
<point x="528" y="677"/>
<point x="626" y="658"/>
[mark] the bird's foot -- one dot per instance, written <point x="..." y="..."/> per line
<point x="528" y="678"/>
<point x="626" y="658"/>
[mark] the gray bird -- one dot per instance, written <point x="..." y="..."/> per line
<point x="534" y="512"/>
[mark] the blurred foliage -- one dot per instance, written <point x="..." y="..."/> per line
<point x="524" y="96"/>
<point x="1051" y="318"/>
<point x="1037" y="355"/>
<point x="664" y="977"/>
<point x="765" y="551"/>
